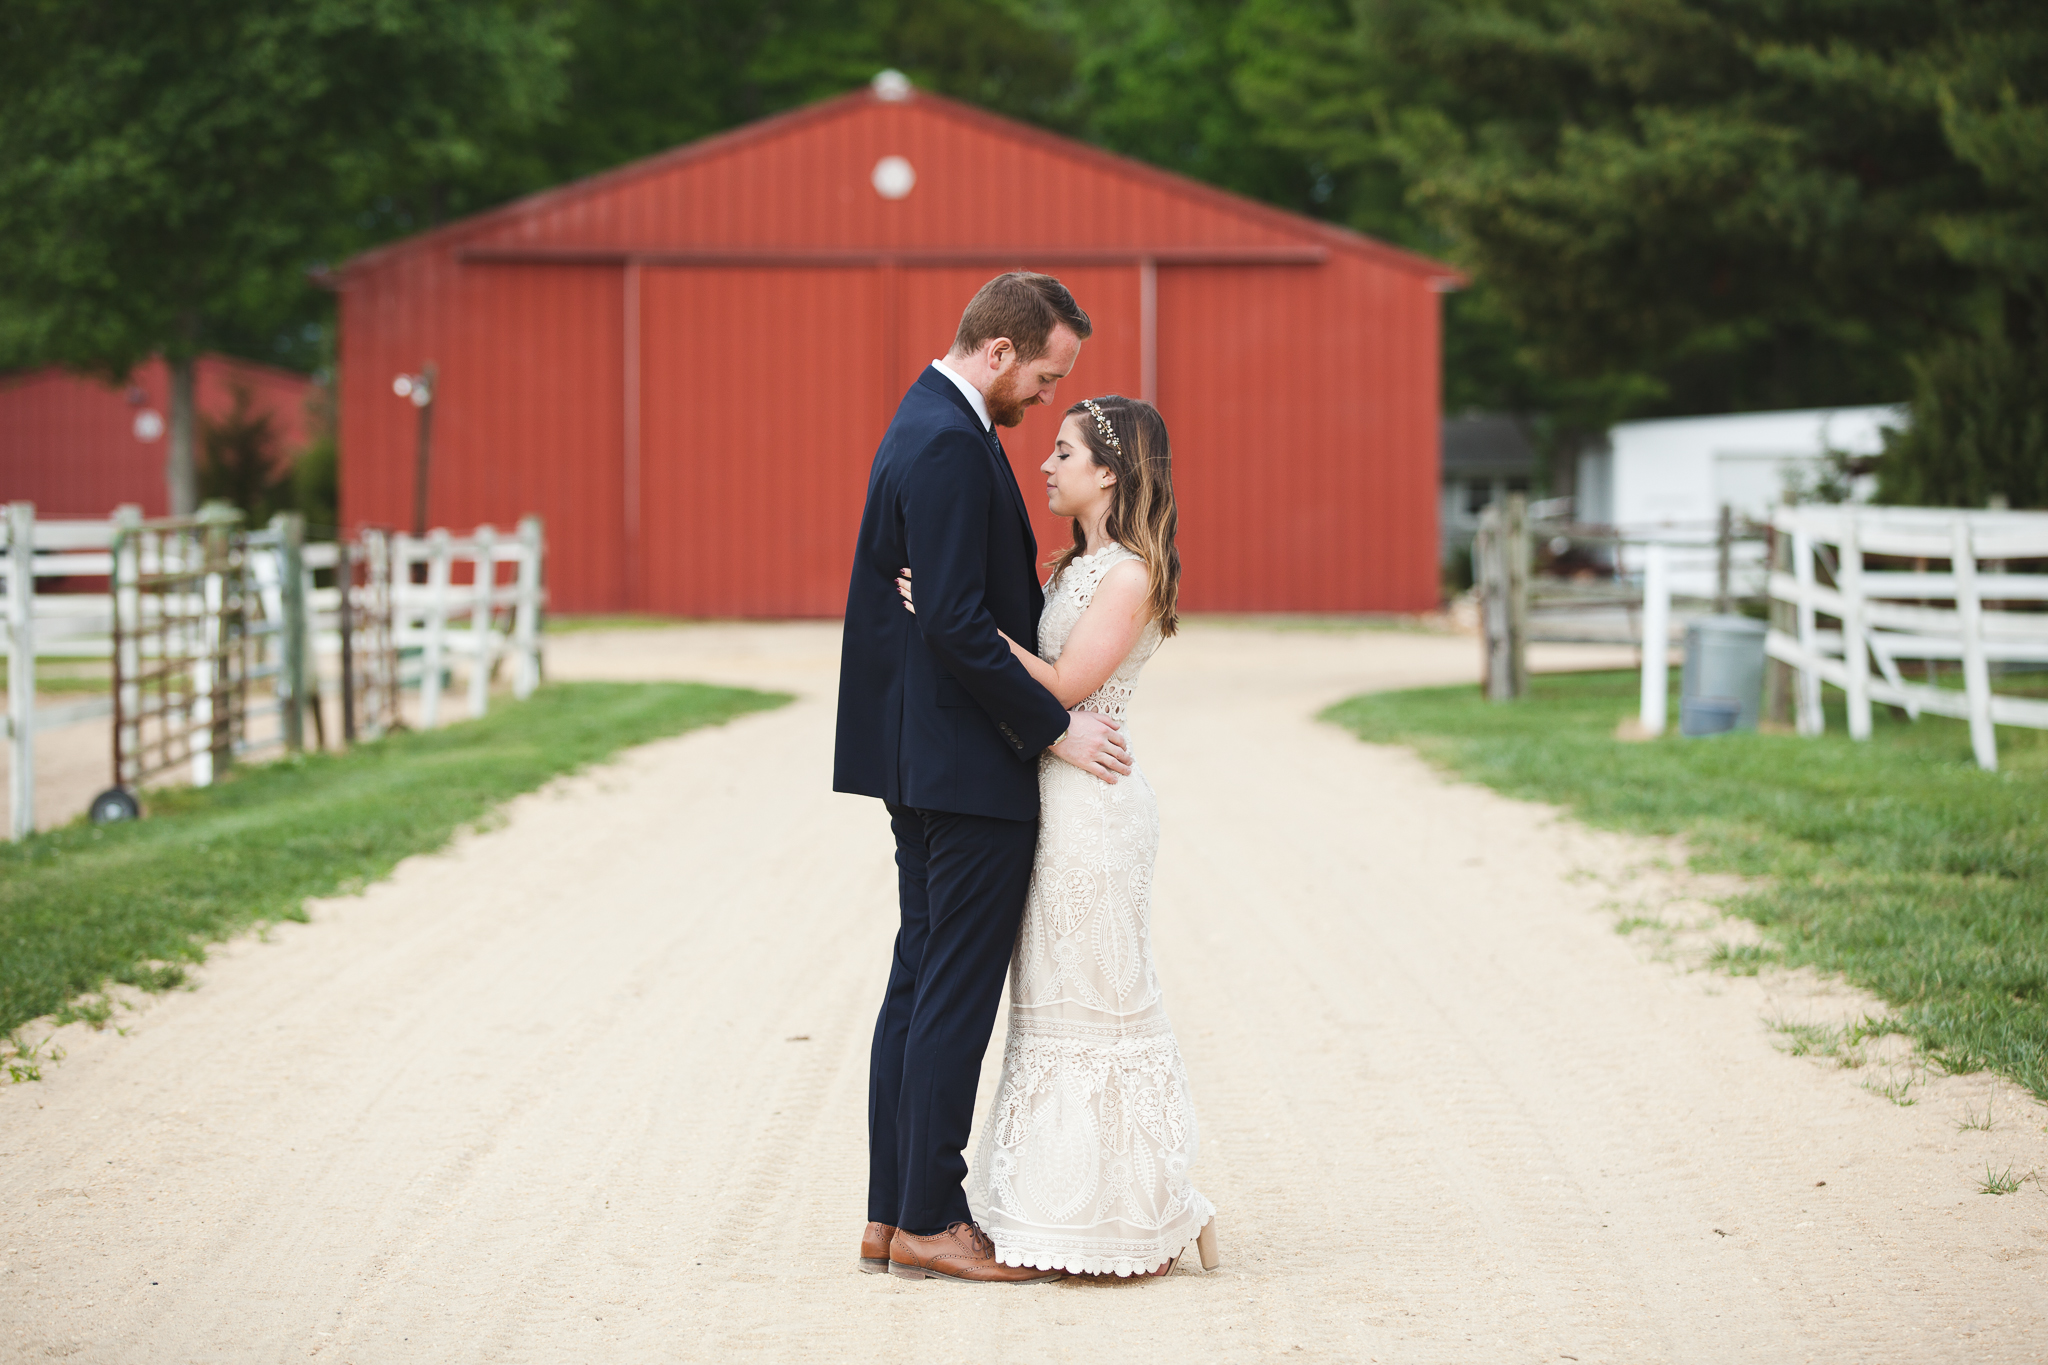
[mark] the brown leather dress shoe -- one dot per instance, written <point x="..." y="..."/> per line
<point x="962" y="1252"/>
<point x="874" y="1248"/>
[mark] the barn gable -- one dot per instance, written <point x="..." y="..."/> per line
<point x="620" y="355"/>
<point x="804" y="181"/>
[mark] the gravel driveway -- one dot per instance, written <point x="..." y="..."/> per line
<point x="590" y="1086"/>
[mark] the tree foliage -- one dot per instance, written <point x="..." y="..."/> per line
<point x="168" y="173"/>
<point x="1688" y="206"/>
<point x="1666" y="205"/>
<point x="1980" y="401"/>
<point x="1681" y="206"/>
<point x="1979" y="433"/>
<point x="241" y="463"/>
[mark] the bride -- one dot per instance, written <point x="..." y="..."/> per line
<point x="1086" y="1157"/>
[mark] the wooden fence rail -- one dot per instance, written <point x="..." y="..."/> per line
<point x="494" y="615"/>
<point x="1519" y="606"/>
<point x="1886" y="615"/>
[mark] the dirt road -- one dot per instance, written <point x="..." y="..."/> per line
<point x="590" y="1086"/>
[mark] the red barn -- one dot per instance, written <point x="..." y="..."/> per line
<point x="77" y="447"/>
<point x="685" y="364"/>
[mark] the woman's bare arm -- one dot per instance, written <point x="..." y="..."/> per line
<point x="1043" y="673"/>
<point x="1107" y="630"/>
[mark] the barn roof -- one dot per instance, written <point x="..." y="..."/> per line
<point x="796" y="187"/>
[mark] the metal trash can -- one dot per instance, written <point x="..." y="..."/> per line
<point x="1723" y="684"/>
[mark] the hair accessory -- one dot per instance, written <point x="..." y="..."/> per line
<point x="1102" y="425"/>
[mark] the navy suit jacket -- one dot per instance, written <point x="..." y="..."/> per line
<point x="934" y="711"/>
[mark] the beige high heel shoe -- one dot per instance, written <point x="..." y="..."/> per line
<point x="1205" y="1246"/>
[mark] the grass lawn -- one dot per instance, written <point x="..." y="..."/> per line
<point x="67" y="675"/>
<point x="1894" y="862"/>
<point x="576" y="625"/>
<point x="85" y="905"/>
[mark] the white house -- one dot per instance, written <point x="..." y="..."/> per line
<point x="1673" y="476"/>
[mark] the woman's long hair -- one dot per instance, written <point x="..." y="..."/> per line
<point x="1141" y="517"/>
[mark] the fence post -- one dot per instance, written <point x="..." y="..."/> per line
<point x="1777" y="707"/>
<point x="345" y="581"/>
<point x="291" y="538"/>
<point x="211" y="709"/>
<point x="1656" y="682"/>
<point x="1976" y="670"/>
<point x="1489" y="571"/>
<point x="1855" y="649"/>
<point x="1520" y="557"/>
<point x="437" y="629"/>
<point x="1500" y="558"/>
<point x="381" y="622"/>
<point x="1812" y="720"/>
<point x="21" y="666"/>
<point x="526" y="615"/>
<point x="1482" y="584"/>
<point x="1724" y="562"/>
<point x="126" y="594"/>
<point x="480" y="637"/>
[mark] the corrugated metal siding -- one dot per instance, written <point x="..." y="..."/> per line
<point x="699" y="436"/>
<point x="979" y="183"/>
<point x="762" y="397"/>
<point x="1302" y="403"/>
<point x="528" y="411"/>
<point x="68" y="444"/>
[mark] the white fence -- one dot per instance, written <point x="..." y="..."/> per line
<point x="477" y="603"/>
<point x="48" y="625"/>
<point x="477" y="622"/>
<point x="1973" y="611"/>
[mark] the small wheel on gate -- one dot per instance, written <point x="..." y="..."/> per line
<point x="115" y="803"/>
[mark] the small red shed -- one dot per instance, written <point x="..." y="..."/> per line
<point x="76" y="446"/>
<point x="685" y="364"/>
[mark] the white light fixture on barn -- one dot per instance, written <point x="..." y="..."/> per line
<point x="420" y="389"/>
<point x="149" y="425"/>
<point x="893" y="177"/>
<point x="892" y="86"/>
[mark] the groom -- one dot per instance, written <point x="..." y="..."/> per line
<point x="938" y="719"/>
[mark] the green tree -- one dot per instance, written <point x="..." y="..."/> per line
<point x="1980" y="400"/>
<point x="168" y="173"/>
<point x="316" y="470"/>
<point x="241" y="463"/>
<point x="1157" y="80"/>
<point x="1680" y="205"/>
<point x="642" y="76"/>
<point x="1979" y="431"/>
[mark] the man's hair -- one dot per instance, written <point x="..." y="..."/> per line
<point x="1024" y="307"/>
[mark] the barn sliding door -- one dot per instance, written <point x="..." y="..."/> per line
<point x="526" y="419"/>
<point x="760" y="403"/>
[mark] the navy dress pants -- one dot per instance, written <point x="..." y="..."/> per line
<point x="961" y="880"/>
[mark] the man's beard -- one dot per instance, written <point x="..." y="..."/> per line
<point x="1006" y="401"/>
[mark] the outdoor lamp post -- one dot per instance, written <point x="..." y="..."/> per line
<point x="420" y="389"/>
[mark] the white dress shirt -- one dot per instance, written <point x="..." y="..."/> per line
<point x="973" y="394"/>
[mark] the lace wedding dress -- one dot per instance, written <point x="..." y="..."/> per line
<point x="1085" y="1158"/>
